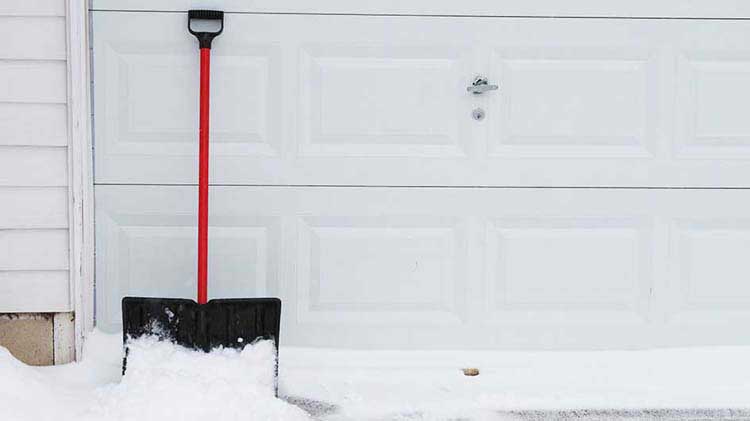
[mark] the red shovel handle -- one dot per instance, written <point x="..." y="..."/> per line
<point x="203" y="179"/>
<point x="204" y="42"/>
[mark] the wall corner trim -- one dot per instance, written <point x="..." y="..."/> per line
<point x="80" y="171"/>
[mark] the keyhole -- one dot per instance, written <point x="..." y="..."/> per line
<point x="478" y="114"/>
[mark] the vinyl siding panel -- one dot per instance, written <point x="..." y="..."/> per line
<point x="33" y="249"/>
<point x="34" y="291"/>
<point x="33" y="124"/>
<point x="33" y="81"/>
<point x="33" y="207"/>
<point x="33" y="37"/>
<point x="32" y="8"/>
<point x="33" y="166"/>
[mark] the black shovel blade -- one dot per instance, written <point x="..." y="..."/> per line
<point x="228" y="322"/>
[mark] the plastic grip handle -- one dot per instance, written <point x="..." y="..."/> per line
<point x="205" y="37"/>
<point x="206" y="14"/>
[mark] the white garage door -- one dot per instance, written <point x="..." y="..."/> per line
<point x="590" y="207"/>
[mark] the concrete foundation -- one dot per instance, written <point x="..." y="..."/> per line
<point x="38" y="339"/>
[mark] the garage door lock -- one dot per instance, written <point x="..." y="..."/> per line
<point x="480" y="85"/>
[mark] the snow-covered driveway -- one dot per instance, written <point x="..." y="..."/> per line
<point x="164" y="382"/>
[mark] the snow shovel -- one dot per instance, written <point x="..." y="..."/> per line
<point x="203" y="325"/>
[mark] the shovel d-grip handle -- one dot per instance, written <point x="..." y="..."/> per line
<point x="205" y="37"/>
<point x="204" y="41"/>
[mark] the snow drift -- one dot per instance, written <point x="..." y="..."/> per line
<point x="163" y="381"/>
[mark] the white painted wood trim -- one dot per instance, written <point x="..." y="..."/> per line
<point x="725" y="9"/>
<point x="63" y="338"/>
<point x="80" y="165"/>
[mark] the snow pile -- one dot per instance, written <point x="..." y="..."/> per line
<point x="167" y="381"/>
<point x="24" y="394"/>
<point x="163" y="381"/>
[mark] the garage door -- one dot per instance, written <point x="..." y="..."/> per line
<point x="595" y="199"/>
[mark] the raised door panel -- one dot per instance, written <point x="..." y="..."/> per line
<point x="709" y="281"/>
<point x="569" y="103"/>
<point x="569" y="268"/>
<point x="358" y="101"/>
<point x="148" y="247"/>
<point x="391" y="270"/>
<point x="714" y="91"/>
<point x="147" y="101"/>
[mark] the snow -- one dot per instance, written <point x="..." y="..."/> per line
<point x="431" y="385"/>
<point x="164" y="381"/>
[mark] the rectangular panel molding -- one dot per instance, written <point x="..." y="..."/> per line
<point x="573" y="103"/>
<point x="570" y="268"/>
<point x="713" y="91"/>
<point x="384" y="270"/>
<point x="711" y="260"/>
<point x="381" y="102"/>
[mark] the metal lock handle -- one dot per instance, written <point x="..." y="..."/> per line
<point x="480" y="86"/>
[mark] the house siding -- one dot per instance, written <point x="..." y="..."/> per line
<point x="34" y="237"/>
